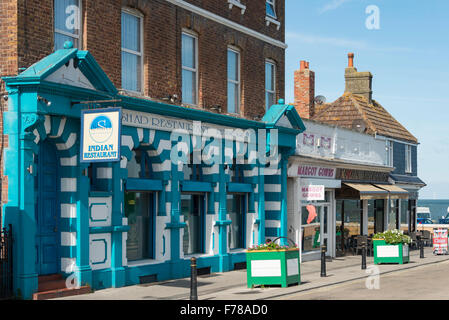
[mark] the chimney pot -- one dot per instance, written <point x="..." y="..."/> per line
<point x="303" y="65"/>
<point x="350" y="60"/>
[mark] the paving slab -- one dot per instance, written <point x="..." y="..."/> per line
<point x="232" y="285"/>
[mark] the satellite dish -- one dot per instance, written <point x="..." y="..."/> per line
<point x="359" y="125"/>
<point x="320" y="100"/>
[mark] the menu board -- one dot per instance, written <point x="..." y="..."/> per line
<point x="440" y="241"/>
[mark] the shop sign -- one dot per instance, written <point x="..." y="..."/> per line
<point x="360" y="175"/>
<point x="312" y="193"/>
<point x="440" y="241"/>
<point x="316" y="172"/>
<point x="100" y="135"/>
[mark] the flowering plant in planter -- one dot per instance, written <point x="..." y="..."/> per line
<point x="272" y="246"/>
<point x="393" y="237"/>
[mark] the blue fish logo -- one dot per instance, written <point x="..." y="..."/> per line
<point x="101" y="129"/>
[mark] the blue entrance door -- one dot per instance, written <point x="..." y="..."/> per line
<point x="47" y="210"/>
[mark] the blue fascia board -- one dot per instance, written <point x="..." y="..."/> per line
<point x="240" y="187"/>
<point x="196" y="186"/>
<point x="145" y="105"/>
<point x="134" y="184"/>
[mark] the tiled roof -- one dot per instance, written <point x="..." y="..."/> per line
<point x="350" y="107"/>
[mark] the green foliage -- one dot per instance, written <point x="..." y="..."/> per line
<point x="271" y="246"/>
<point x="393" y="237"/>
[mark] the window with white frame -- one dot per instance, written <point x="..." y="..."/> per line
<point x="270" y="84"/>
<point x="67" y="23"/>
<point x="233" y="81"/>
<point x="132" y="50"/>
<point x="189" y="58"/>
<point x="389" y="149"/>
<point x="408" y="158"/>
<point x="271" y="9"/>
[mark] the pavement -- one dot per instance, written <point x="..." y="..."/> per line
<point x="232" y="285"/>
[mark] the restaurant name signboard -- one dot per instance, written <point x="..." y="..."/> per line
<point x="361" y="175"/>
<point x="100" y="135"/>
<point x="316" y="172"/>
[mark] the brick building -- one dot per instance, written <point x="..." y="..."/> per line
<point x="252" y="33"/>
<point x="357" y="110"/>
<point x="168" y="64"/>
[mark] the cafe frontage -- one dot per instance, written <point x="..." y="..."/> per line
<point x="366" y="204"/>
<point x="141" y="218"/>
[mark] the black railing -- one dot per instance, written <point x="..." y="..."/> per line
<point x="6" y="285"/>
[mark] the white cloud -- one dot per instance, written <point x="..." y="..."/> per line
<point x="334" y="4"/>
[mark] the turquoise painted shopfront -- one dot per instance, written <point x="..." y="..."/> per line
<point x="142" y="218"/>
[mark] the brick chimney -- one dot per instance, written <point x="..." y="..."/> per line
<point x="305" y="91"/>
<point x="359" y="83"/>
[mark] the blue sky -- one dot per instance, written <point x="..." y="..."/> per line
<point x="408" y="57"/>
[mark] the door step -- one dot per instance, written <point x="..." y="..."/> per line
<point x="54" y="286"/>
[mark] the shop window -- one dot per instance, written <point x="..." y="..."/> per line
<point x="67" y="23"/>
<point x="404" y="215"/>
<point x="140" y="165"/>
<point x="270" y="84"/>
<point x="236" y="207"/>
<point x="237" y="172"/>
<point x="192" y="209"/>
<point x="139" y="209"/>
<point x="189" y="61"/>
<point x="132" y="50"/>
<point x="393" y="218"/>
<point x="194" y="171"/>
<point x="375" y="216"/>
<point x="233" y="81"/>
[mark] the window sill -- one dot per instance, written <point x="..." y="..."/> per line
<point x="237" y="4"/>
<point x="269" y="20"/>
<point x="197" y="255"/>
<point x="235" y="251"/>
<point x="140" y="263"/>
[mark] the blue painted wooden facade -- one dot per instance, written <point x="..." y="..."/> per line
<point x="92" y="242"/>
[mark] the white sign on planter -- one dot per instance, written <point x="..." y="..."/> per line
<point x="266" y="268"/>
<point x="387" y="251"/>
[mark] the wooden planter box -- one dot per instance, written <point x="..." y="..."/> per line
<point x="271" y="267"/>
<point x="390" y="253"/>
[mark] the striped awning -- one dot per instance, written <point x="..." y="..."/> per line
<point x="368" y="191"/>
<point x="395" y="191"/>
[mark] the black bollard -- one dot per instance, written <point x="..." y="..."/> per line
<point x="363" y="255"/>
<point x="193" y="281"/>
<point x="323" y="261"/>
<point x="421" y="249"/>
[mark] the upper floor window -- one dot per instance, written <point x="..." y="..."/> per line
<point x="67" y="23"/>
<point x="233" y="81"/>
<point x="408" y="158"/>
<point x="271" y="10"/>
<point x="270" y="84"/>
<point x="132" y="23"/>
<point x="189" y="57"/>
<point x="389" y="148"/>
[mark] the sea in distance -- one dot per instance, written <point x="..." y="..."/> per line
<point x="438" y="208"/>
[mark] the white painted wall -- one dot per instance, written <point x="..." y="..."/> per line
<point x="325" y="141"/>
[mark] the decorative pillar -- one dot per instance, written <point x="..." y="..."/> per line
<point x="82" y="227"/>
<point x="284" y="213"/>
<point x="117" y="269"/>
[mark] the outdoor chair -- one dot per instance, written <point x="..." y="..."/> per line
<point x="358" y="244"/>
